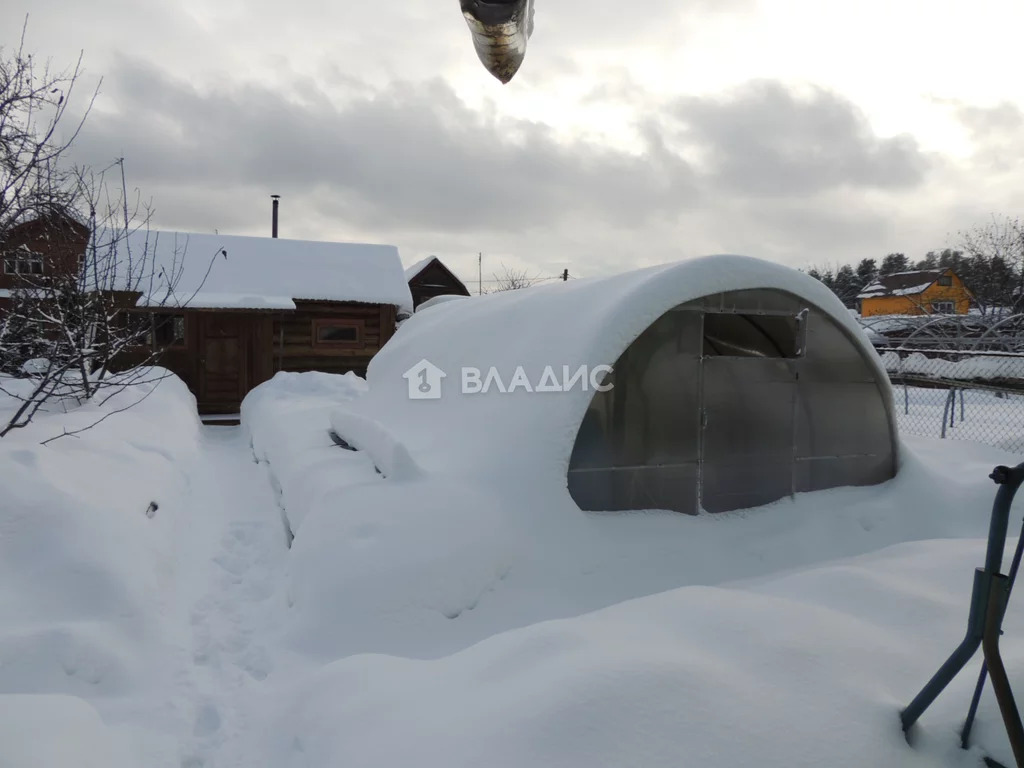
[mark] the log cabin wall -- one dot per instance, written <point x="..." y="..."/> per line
<point x="222" y="354"/>
<point x="301" y="339"/>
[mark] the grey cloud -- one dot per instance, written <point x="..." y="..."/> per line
<point x="1001" y="120"/>
<point x="414" y="165"/>
<point x="408" y="156"/>
<point x="766" y="139"/>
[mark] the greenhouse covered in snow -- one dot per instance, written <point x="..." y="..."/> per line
<point x="712" y="384"/>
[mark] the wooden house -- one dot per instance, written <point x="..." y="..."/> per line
<point x="229" y="312"/>
<point x="232" y="311"/>
<point x="38" y="248"/>
<point x="429" y="278"/>
<point x="920" y="292"/>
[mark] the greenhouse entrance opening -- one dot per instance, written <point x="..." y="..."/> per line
<point x="733" y="401"/>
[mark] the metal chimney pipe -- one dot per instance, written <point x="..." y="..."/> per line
<point x="273" y="228"/>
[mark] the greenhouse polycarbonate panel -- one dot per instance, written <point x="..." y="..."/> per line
<point x="738" y="484"/>
<point x="748" y="407"/>
<point x="646" y="430"/>
<point x="762" y="300"/>
<point x="672" y="487"/>
<point x="749" y="432"/>
<point x="831" y="355"/>
<point x="792" y="405"/>
<point x="820" y="473"/>
<point x="841" y="419"/>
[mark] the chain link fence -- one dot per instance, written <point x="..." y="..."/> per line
<point x="959" y="395"/>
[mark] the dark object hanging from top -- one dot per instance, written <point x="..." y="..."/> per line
<point x="501" y="29"/>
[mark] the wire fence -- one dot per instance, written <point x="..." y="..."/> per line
<point x="976" y="396"/>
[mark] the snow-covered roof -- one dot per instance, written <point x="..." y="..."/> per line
<point x="582" y="322"/>
<point x="418" y="267"/>
<point x="231" y="271"/>
<point x="901" y="283"/>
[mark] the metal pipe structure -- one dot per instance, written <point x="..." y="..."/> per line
<point x="1009" y="481"/>
<point x="965" y="733"/>
<point x="1000" y="682"/>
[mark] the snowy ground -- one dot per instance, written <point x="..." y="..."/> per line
<point x="416" y="621"/>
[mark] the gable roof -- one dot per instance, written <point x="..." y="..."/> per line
<point x="259" y="272"/>
<point x="420" y="266"/>
<point x="57" y="221"/>
<point x="902" y="283"/>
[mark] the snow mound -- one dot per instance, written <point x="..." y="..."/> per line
<point x="390" y="566"/>
<point x="808" y="669"/>
<point x="288" y="423"/>
<point x="87" y="530"/>
<point x="390" y="456"/>
<point x="51" y="731"/>
<point x="437" y="300"/>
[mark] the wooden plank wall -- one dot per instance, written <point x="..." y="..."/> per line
<point x="293" y="340"/>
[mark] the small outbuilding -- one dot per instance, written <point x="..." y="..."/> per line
<point x="430" y="278"/>
<point x="712" y="384"/>
<point x="231" y="311"/>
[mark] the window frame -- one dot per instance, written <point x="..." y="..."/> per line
<point x="21" y="262"/>
<point x="945" y="281"/>
<point x="936" y="307"/>
<point x="329" y="322"/>
<point x="173" y="317"/>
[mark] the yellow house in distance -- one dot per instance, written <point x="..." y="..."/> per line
<point x="921" y="292"/>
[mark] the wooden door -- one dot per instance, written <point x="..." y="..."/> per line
<point x="223" y="363"/>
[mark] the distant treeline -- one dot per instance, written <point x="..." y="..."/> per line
<point x="989" y="260"/>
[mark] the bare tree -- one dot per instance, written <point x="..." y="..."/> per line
<point x="35" y="134"/>
<point x="77" y="333"/>
<point x="999" y="245"/>
<point x="512" y="280"/>
<point x="87" y="325"/>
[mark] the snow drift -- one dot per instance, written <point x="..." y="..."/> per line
<point x="87" y="524"/>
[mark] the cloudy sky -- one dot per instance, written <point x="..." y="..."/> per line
<point x="801" y="131"/>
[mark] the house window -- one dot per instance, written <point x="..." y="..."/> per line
<point x="942" y="307"/>
<point x="23" y="263"/>
<point x="338" y="334"/>
<point x="167" y="331"/>
<point x="946" y="281"/>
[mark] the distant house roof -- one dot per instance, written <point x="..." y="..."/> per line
<point x="231" y="271"/>
<point x="418" y="267"/>
<point x="902" y="283"/>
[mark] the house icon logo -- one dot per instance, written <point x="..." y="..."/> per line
<point x="424" y="380"/>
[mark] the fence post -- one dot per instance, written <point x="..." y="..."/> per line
<point x="948" y="408"/>
<point x="961" y="406"/>
<point x="906" y="399"/>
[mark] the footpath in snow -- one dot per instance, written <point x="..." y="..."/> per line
<point x="230" y="564"/>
